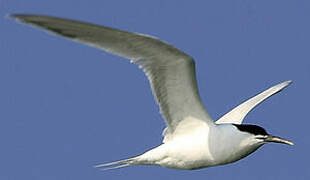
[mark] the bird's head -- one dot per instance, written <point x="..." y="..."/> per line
<point x="260" y="135"/>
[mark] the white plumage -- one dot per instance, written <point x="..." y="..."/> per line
<point x="191" y="140"/>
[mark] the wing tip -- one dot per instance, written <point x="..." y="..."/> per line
<point x="283" y="84"/>
<point x="14" y="16"/>
<point x="288" y="82"/>
<point x="18" y="17"/>
<point x="27" y="18"/>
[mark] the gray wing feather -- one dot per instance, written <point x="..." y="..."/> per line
<point x="237" y="114"/>
<point x="170" y="71"/>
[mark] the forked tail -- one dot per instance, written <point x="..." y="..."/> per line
<point x="148" y="158"/>
<point x="117" y="164"/>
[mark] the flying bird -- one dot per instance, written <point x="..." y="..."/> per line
<point x="191" y="140"/>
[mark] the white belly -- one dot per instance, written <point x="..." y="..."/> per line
<point x="194" y="148"/>
<point x="189" y="151"/>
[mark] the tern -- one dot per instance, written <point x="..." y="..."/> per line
<point x="191" y="140"/>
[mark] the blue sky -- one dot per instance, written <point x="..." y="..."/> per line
<point x="65" y="107"/>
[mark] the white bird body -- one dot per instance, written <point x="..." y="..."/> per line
<point x="192" y="140"/>
<point x="188" y="150"/>
<point x="194" y="149"/>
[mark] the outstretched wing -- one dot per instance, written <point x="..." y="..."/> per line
<point x="237" y="115"/>
<point x="170" y="71"/>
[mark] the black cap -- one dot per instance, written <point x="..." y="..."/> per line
<point x="253" y="129"/>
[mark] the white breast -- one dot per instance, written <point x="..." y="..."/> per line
<point x="186" y="149"/>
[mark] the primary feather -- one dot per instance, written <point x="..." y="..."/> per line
<point x="170" y="71"/>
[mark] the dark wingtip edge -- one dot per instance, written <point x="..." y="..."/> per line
<point x="18" y="17"/>
<point x="14" y="16"/>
